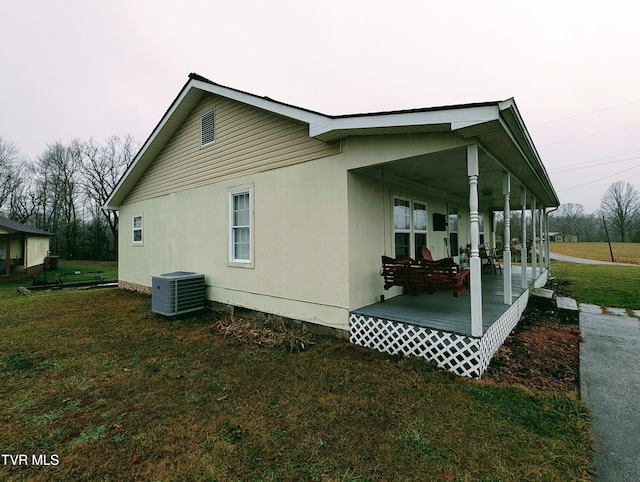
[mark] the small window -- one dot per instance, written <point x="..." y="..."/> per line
<point x="137" y="229"/>
<point x="208" y="128"/>
<point x="240" y="226"/>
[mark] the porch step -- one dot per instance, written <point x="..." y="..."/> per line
<point x="568" y="311"/>
<point x="543" y="298"/>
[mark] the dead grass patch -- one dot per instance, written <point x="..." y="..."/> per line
<point x="268" y="331"/>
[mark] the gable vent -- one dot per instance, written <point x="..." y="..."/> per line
<point x="208" y="128"/>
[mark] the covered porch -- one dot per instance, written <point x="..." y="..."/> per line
<point x="445" y="198"/>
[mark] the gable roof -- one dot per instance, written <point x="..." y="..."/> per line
<point x="497" y="126"/>
<point x="16" y="227"/>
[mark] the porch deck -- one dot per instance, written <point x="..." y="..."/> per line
<point x="438" y="327"/>
<point x="441" y="311"/>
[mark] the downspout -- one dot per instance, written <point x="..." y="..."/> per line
<point x="548" y="239"/>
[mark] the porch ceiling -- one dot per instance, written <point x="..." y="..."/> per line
<point x="498" y="130"/>
<point x="444" y="174"/>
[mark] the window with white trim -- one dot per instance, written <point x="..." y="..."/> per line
<point x="409" y="227"/>
<point x="240" y="226"/>
<point x="207" y="128"/>
<point x="136" y="229"/>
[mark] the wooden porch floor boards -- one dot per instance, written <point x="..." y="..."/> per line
<point x="441" y="311"/>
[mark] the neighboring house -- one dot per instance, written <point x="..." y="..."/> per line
<point x="288" y="211"/>
<point x="563" y="238"/>
<point x="22" y="249"/>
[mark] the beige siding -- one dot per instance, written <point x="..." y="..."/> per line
<point x="248" y="140"/>
<point x="300" y="265"/>
<point x="37" y="250"/>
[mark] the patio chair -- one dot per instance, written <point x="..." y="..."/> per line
<point x="426" y="254"/>
<point x="493" y="261"/>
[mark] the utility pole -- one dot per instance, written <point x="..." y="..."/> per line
<point x="608" y="240"/>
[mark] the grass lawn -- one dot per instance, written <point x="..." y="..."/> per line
<point x="119" y="393"/>
<point x="603" y="285"/>
<point x="108" y="269"/>
<point x="622" y="252"/>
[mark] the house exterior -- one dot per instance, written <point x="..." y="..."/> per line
<point x="23" y="249"/>
<point x="563" y="238"/>
<point x="288" y="211"/>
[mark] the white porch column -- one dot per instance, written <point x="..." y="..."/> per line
<point x="534" y="256"/>
<point x="475" y="263"/>
<point x="523" y="248"/>
<point x="506" y="254"/>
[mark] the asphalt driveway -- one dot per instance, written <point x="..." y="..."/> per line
<point x="610" y="387"/>
<point x="572" y="259"/>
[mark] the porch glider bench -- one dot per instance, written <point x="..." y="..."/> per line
<point x="430" y="275"/>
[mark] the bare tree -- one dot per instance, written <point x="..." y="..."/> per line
<point x="620" y="206"/>
<point x="57" y="194"/>
<point x="102" y="168"/>
<point x="9" y="173"/>
<point x="64" y="191"/>
<point x="24" y="201"/>
<point x="569" y="219"/>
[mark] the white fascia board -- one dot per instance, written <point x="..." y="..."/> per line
<point x="263" y="103"/>
<point x="457" y="117"/>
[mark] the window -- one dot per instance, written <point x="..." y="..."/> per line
<point x="207" y="128"/>
<point x="419" y="228"/>
<point x="453" y="230"/>
<point x="240" y="226"/>
<point x="402" y="227"/>
<point x="137" y="229"/>
<point x="410" y="227"/>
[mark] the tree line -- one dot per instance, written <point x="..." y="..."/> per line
<point x="618" y="218"/>
<point x="64" y="190"/>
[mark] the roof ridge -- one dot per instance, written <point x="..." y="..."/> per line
<point x="196" y="76"/>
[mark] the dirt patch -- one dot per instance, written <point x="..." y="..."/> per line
<point x="540" y="353"/>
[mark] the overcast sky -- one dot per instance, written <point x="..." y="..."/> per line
<point x="80" y="68"/>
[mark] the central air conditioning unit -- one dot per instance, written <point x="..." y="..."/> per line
<point x="177" y="293"/>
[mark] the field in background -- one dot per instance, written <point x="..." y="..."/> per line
<point x="622" y="252"/>
<point x="119" y="393"/>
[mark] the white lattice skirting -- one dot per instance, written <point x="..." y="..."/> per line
<point x="463" y="355"/>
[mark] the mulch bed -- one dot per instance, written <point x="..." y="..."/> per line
<point x="541" y="353"/>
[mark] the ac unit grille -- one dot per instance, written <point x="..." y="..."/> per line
<point x="178" y="292"/>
